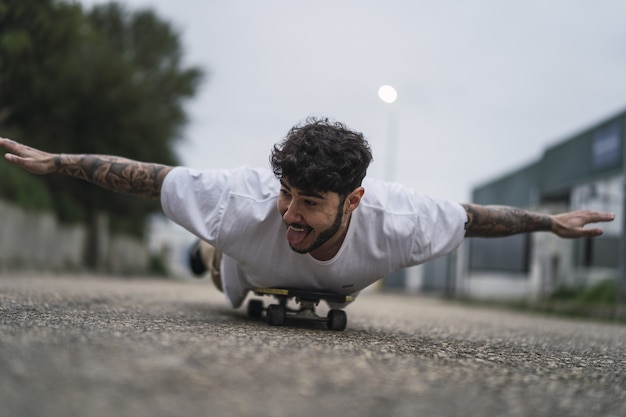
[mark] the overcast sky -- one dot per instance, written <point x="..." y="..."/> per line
<point x="484" y="86"/>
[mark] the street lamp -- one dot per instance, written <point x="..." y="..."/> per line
<point x="389" y="95"/>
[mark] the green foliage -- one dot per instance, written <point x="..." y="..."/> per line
<point x="24" y="189"/>
<point x="604" y="292"/>
<point x="104" y="81"/>
<point x="157" y="266"/>
<point x="68" y="210"/>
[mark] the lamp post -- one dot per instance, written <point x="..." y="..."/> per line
<point x="389" y="95"/>
<point x="621" y="279"/>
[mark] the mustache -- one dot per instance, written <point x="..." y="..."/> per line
<point x="297" y="225"/>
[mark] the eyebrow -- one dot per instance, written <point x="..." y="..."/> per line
<point x="307" y="193"/>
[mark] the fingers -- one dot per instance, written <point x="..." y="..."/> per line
<point x="17" y="161"/>
<point x="7" y="144"/>
<point x="14" y="159"/>
<point x="589" y="216"/>
<point x="575" y="233"/>
<point x="572" y="224"/>
<point x="14" y="148"/>
<point x="592" y="232"/>
<point x="595" y="217"/>
<point x="30" y="159"/>
<point x="602" y="217"/>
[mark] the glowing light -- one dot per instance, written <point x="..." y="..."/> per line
<point x="387" y="93"/>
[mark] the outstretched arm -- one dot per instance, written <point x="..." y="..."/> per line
<point x="114" y="173"/>
<point x="498" y="221"/>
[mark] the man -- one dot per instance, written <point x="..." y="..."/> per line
<point x="313" y="223"/>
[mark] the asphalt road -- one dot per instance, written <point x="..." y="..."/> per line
<point x="99" y="346"/>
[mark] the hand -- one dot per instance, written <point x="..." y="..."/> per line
<point x="571" y="224"/>
<point x="31" y="159"/>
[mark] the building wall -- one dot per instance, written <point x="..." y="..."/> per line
<point x="584" y="171"/>
<point x="37" y="241"/>
<point x="172" y="243"/>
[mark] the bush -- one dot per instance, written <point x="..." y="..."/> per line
<point x="24" y="189"/>
<point x="604" y="292"/>
<point x="157" y="266"/>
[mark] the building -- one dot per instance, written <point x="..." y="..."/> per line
<point x="584" y="171"/>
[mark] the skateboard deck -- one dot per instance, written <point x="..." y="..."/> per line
<point x="277" y="314"/>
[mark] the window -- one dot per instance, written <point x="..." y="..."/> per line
<point x="508" y="254"/>
<point x="606" y="147"/>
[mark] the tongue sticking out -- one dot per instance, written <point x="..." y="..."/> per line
<point x="296" y="235"/>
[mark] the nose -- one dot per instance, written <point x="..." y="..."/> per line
<point x="291" y="214"/>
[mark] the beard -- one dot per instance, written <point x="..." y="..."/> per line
<point x="325" y="235"/>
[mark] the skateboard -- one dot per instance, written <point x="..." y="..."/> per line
<point x="277" y="314"/>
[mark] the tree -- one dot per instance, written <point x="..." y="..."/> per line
<point x="105" y="81"/>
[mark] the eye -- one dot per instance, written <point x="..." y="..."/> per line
<point x="285" y="193"/>
<point x="310" y="203"/>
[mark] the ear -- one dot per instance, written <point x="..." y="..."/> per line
<point x="354" y="199"/>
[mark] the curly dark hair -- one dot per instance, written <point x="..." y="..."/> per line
<point x="321" y="155"/>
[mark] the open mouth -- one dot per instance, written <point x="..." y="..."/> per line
<point x="297" y="233"/>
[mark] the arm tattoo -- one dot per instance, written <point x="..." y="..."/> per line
<point x="117" y="174"/>
<point x="498" y="221"/>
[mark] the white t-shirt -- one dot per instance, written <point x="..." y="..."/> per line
<point x="235" y="210"/>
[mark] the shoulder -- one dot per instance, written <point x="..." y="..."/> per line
<point x="239" y="180"/>
<point x="416" y="224"/>
<point x="397" y="199"/>
<point x="260" y="184"/>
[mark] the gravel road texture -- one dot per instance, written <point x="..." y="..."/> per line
<point x="103" y="346"/>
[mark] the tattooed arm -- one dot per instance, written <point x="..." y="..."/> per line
<point x="498" y="221"/>
<point x="114" y="173"/>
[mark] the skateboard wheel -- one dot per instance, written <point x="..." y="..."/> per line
<point x="276" y="315"/>
<point x="255" y="308"/>
<point x="337" y="320"/>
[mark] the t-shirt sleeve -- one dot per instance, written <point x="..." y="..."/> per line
<point x="193" y="199"/>
<point x="440" y="229"/>
<point x="411" y="227"/>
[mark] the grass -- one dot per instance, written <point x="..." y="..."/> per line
<point x="596" y="302"/>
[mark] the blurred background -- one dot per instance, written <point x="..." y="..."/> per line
<point x="516" y="103"/>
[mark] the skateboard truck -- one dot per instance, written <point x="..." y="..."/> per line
<point x="276" y="314"/>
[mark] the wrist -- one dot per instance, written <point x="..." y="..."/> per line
<point x="57" y="162"/>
